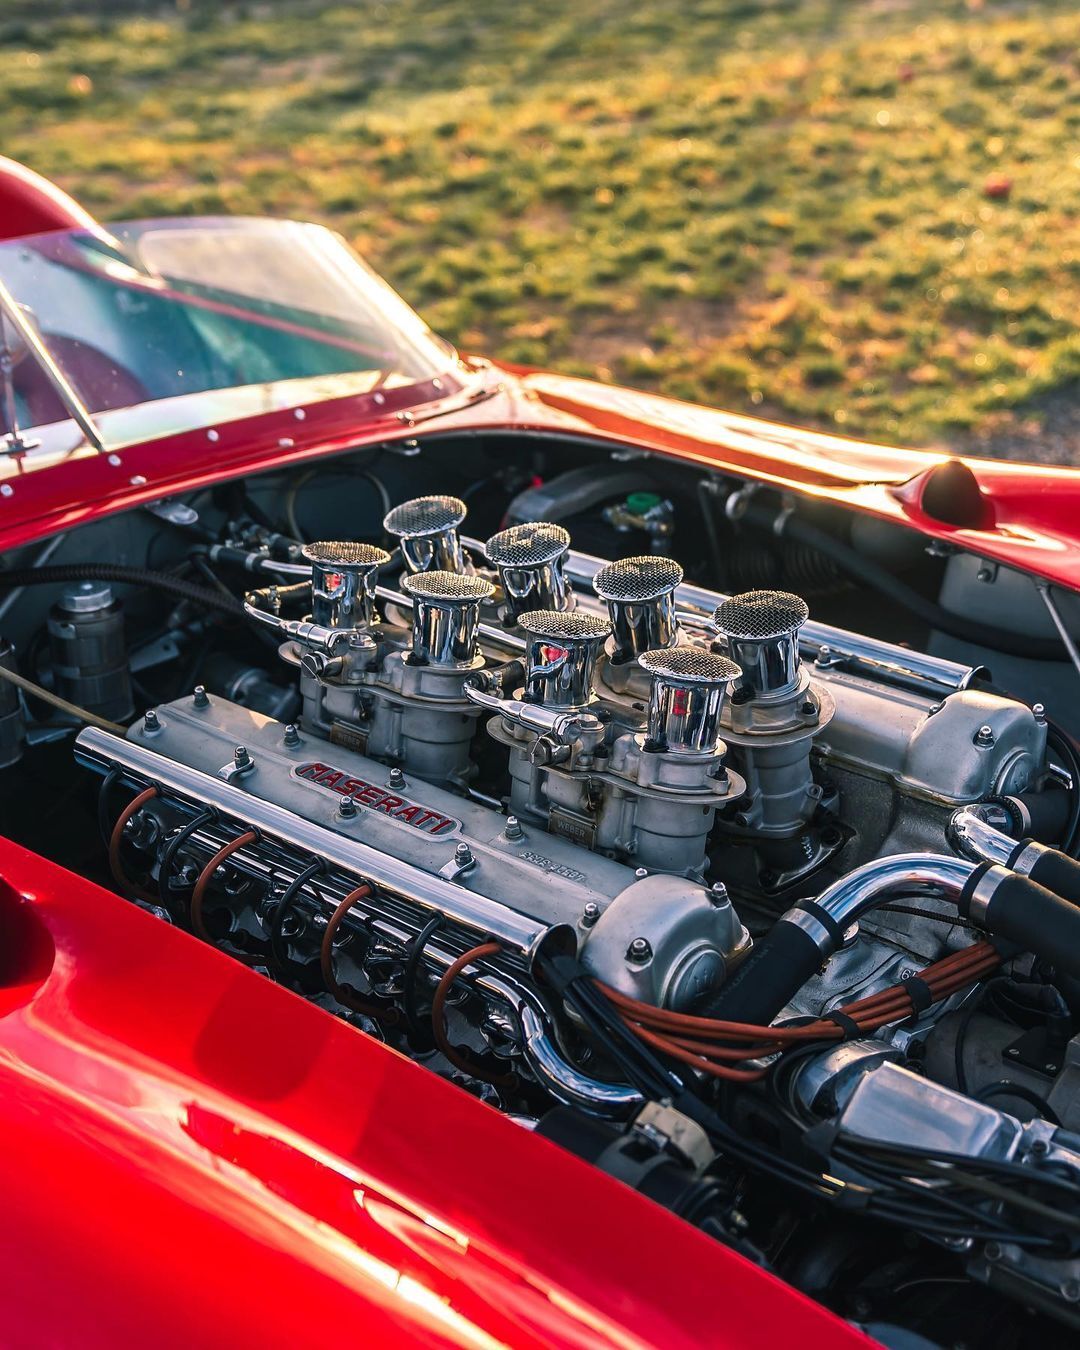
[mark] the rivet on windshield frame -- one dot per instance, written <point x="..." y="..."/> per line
<point x="436" y="383"/>
<point x="380" y="399"/>
<point x="406" y="417"/>
<point x="285" y="443"/>
<point x="212" y="435"/>
<point x="6" y="490"/>
<point x="138" y="481"/>
<point x="299" y="414"/>
<point x="115" y="461"/>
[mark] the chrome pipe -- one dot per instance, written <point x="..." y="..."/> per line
<point x="561" y="726"/>
<point x="978" y="832"/>
<point x="847" y="900"/>
<point x="565" y="1083"/>
<point x="100" y="750"/>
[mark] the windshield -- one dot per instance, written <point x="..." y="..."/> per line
<point x="161" y="312"/>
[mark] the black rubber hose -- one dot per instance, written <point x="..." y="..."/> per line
<point x="864" y="569"/>
<point x="764" y="983"/>
<point x="1017" y="908"/>
<point x="1048" y="867"/>
<point x="122" y="575"/>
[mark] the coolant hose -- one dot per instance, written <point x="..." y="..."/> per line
<point x="122" y="575"/>
<point x="808" y="934"/>
<point x="1018" y="908"/>
<point x="864" y="569"/>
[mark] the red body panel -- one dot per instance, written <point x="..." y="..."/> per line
<point x="1031" y="518"/>
<point x="190" y="1155"/>
<point x="30" y="204"/>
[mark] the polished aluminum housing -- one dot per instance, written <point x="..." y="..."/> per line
<point x="343" y="577"/>
<point x="530" y="559"/>
<point x="640" y="596"/>
<point x="426" y="529"/>
<point x="686" y="701"/>
<point x="445" y="616"/>
<point x="761" y="631"/>
<point x="560" y="656"/>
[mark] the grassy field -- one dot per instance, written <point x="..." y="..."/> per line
<point x="862" y="216"/>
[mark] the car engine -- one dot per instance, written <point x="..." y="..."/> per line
<point x="774" y="920"/>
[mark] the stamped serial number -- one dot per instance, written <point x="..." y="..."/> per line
<point x="556" y="869"/>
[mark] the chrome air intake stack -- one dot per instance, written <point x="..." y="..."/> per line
<point x="426" y="529"/>
<point x="560" y="656"/>
<point x="761" y="631"/>
<point x="689" y="690"/>
<point x="445" y="617"/>
<point x="771" y="720"/>
<point x="343" y="578"/>
<point x="530" y="559"/>
<point x="674" y="776"/>
<point x="421" y="718"/>
<point x="640" y="596"/>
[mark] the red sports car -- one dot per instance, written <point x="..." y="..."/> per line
<point x="496" y="859"/>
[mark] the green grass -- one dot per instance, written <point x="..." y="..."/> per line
<point x="761" y="204"/>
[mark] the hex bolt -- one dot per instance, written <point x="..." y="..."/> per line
<point x="396" y="779"/>
<point x="347" y="807"/>
<point x="241" y="758"/>
<point x="1038" y="711"/>
<point x="513" y="828"/>
<point x="824" y="656"/>
<point x="590" y="914"/>
<point x="985" y="735"/>
<point x="150" y="721"/>
<point x="292" y="736"/>
<point x="1040" y="1148"/>
<point x="200" y="698"/>
<point x="718" y="894"/>
<point x="639" y="951"/>
<point x="934" y="708"/>
<point x="463" y="855"/>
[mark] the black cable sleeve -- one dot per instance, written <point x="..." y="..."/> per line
<point x="768" y="979"/>
<point x="122" y="575"/>
<point x="1048" y="813"/>
<point x="201" y="818"/>
<point x="1051" y="868"/>
<point x="865" y="570"/>
<point x="283" y="906"/>
<point x="410" y="996"/>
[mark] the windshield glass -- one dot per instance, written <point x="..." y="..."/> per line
<point x="164" y="311"/>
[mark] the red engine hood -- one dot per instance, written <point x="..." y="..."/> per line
<point x="1027" y="516"/>
<point x="191" y="1155"/>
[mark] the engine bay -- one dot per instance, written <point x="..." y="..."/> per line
<point x="619" y="793"/>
